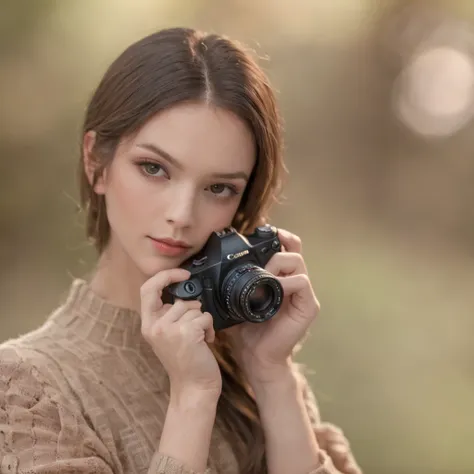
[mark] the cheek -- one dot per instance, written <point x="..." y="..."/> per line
<point x="220" y="216"/>
<point x="128" y="199"/>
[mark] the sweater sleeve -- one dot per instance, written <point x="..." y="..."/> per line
<point x="336" y="456"/>
<point x="161" y="464"/>
<point x="39" y="431"/>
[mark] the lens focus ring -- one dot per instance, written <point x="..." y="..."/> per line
<point x="250" y="293"/>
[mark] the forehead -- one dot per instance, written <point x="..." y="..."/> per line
<point x="200" y="134"/>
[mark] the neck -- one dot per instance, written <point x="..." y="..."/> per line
<point x="117" y="279"/>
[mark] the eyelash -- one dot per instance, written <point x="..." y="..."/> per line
<point x="144" y="163"/>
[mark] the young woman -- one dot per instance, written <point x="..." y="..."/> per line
<point x="181" y="138"/>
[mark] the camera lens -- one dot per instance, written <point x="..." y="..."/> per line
<point x="260" y="297"/>
<point x="250" y="293"/>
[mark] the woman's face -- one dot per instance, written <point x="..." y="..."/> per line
<point x="179" y="178"/>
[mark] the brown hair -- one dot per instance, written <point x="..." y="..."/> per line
<point x="161" y="70"/>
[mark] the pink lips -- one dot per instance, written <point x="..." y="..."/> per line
<point x="170" y="247"/>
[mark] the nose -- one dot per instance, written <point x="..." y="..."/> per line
<point x="181" y="208"/>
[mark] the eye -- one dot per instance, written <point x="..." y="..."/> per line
<point x="218" y="188"/>
<point x="152" y="169"/>
<point x="222" y="190"/>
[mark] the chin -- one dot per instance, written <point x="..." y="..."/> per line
<point x="152" y="265"/>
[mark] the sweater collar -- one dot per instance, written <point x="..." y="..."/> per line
<point x="93" y="318"/>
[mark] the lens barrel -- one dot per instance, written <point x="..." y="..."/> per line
<point x="250" y="293"/>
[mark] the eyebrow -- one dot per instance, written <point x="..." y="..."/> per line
<point x="165" y="155"/>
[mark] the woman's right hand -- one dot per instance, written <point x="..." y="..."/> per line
<point x="178" y="335"/>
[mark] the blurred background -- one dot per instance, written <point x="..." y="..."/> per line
<point x="378" y="99"/>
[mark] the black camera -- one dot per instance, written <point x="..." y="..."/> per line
<point x="227" y="276"/>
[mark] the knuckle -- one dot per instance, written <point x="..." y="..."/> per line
<point x="299" y="257"/>
<point x="338" y="435"/>
<point x="156" y="282"/>
<point x="158" y="330"/>
<point x="184" y="330"/>
<point x="187" y="304"/>
<point x="181" y="305"/>
<point x="194" y="303"/>
<point x="177" y="304"/>
<point x="144" y="289"/>
<point x="305" y="280"/>
<point x="193" y="312"/>
<point x="296" y="239"/>
<point x="153" y="284"/>
<point x="209" y="320"/>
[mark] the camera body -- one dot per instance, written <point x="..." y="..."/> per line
<point x="228" y="277"/>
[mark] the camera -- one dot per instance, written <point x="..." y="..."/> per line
<point x="228" y="277"/>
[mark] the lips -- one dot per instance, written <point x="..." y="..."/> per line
<point x="170" y="247"/>
<point x="173" y="243"/>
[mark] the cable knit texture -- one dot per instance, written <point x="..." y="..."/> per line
<point x="84" y="393"/>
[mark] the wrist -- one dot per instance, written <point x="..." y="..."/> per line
<point x="279" y="381"/>
<point x="187" y="430"/>
<point x="269" y="373"/>
<point x="193" y="398"/>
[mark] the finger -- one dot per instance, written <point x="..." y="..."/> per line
<point x="152" y="289"/>
<point x="342" y="459"/>
<point x="179" y="309"/>
<point x="190" y="315"/>
<point x="149" y="318"/>
<point x="332" y="433"/>
<point x="168" y="313"/>
<point x="327" y="436"/>
<point x="286" y="264"/>
<point x="340" y="449"/>
<point x="291" y="242"/>
<point x="300" y="291"/>
<point x="206" y="323"/>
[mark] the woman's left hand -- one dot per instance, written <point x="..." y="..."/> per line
<point x="264" y="350"/>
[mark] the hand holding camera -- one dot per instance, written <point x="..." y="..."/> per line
<point x="264" y="351"/>
<point x="254" y="287"/>
<point x="222" y="286"/>
<point x="178" y="334"/>
<point x="243" y="280"/>
<point x="228" y="277"/>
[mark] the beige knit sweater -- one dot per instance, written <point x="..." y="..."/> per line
<point x="85" y="393"/>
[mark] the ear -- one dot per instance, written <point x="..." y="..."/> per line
<point x="90" y="163"/>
